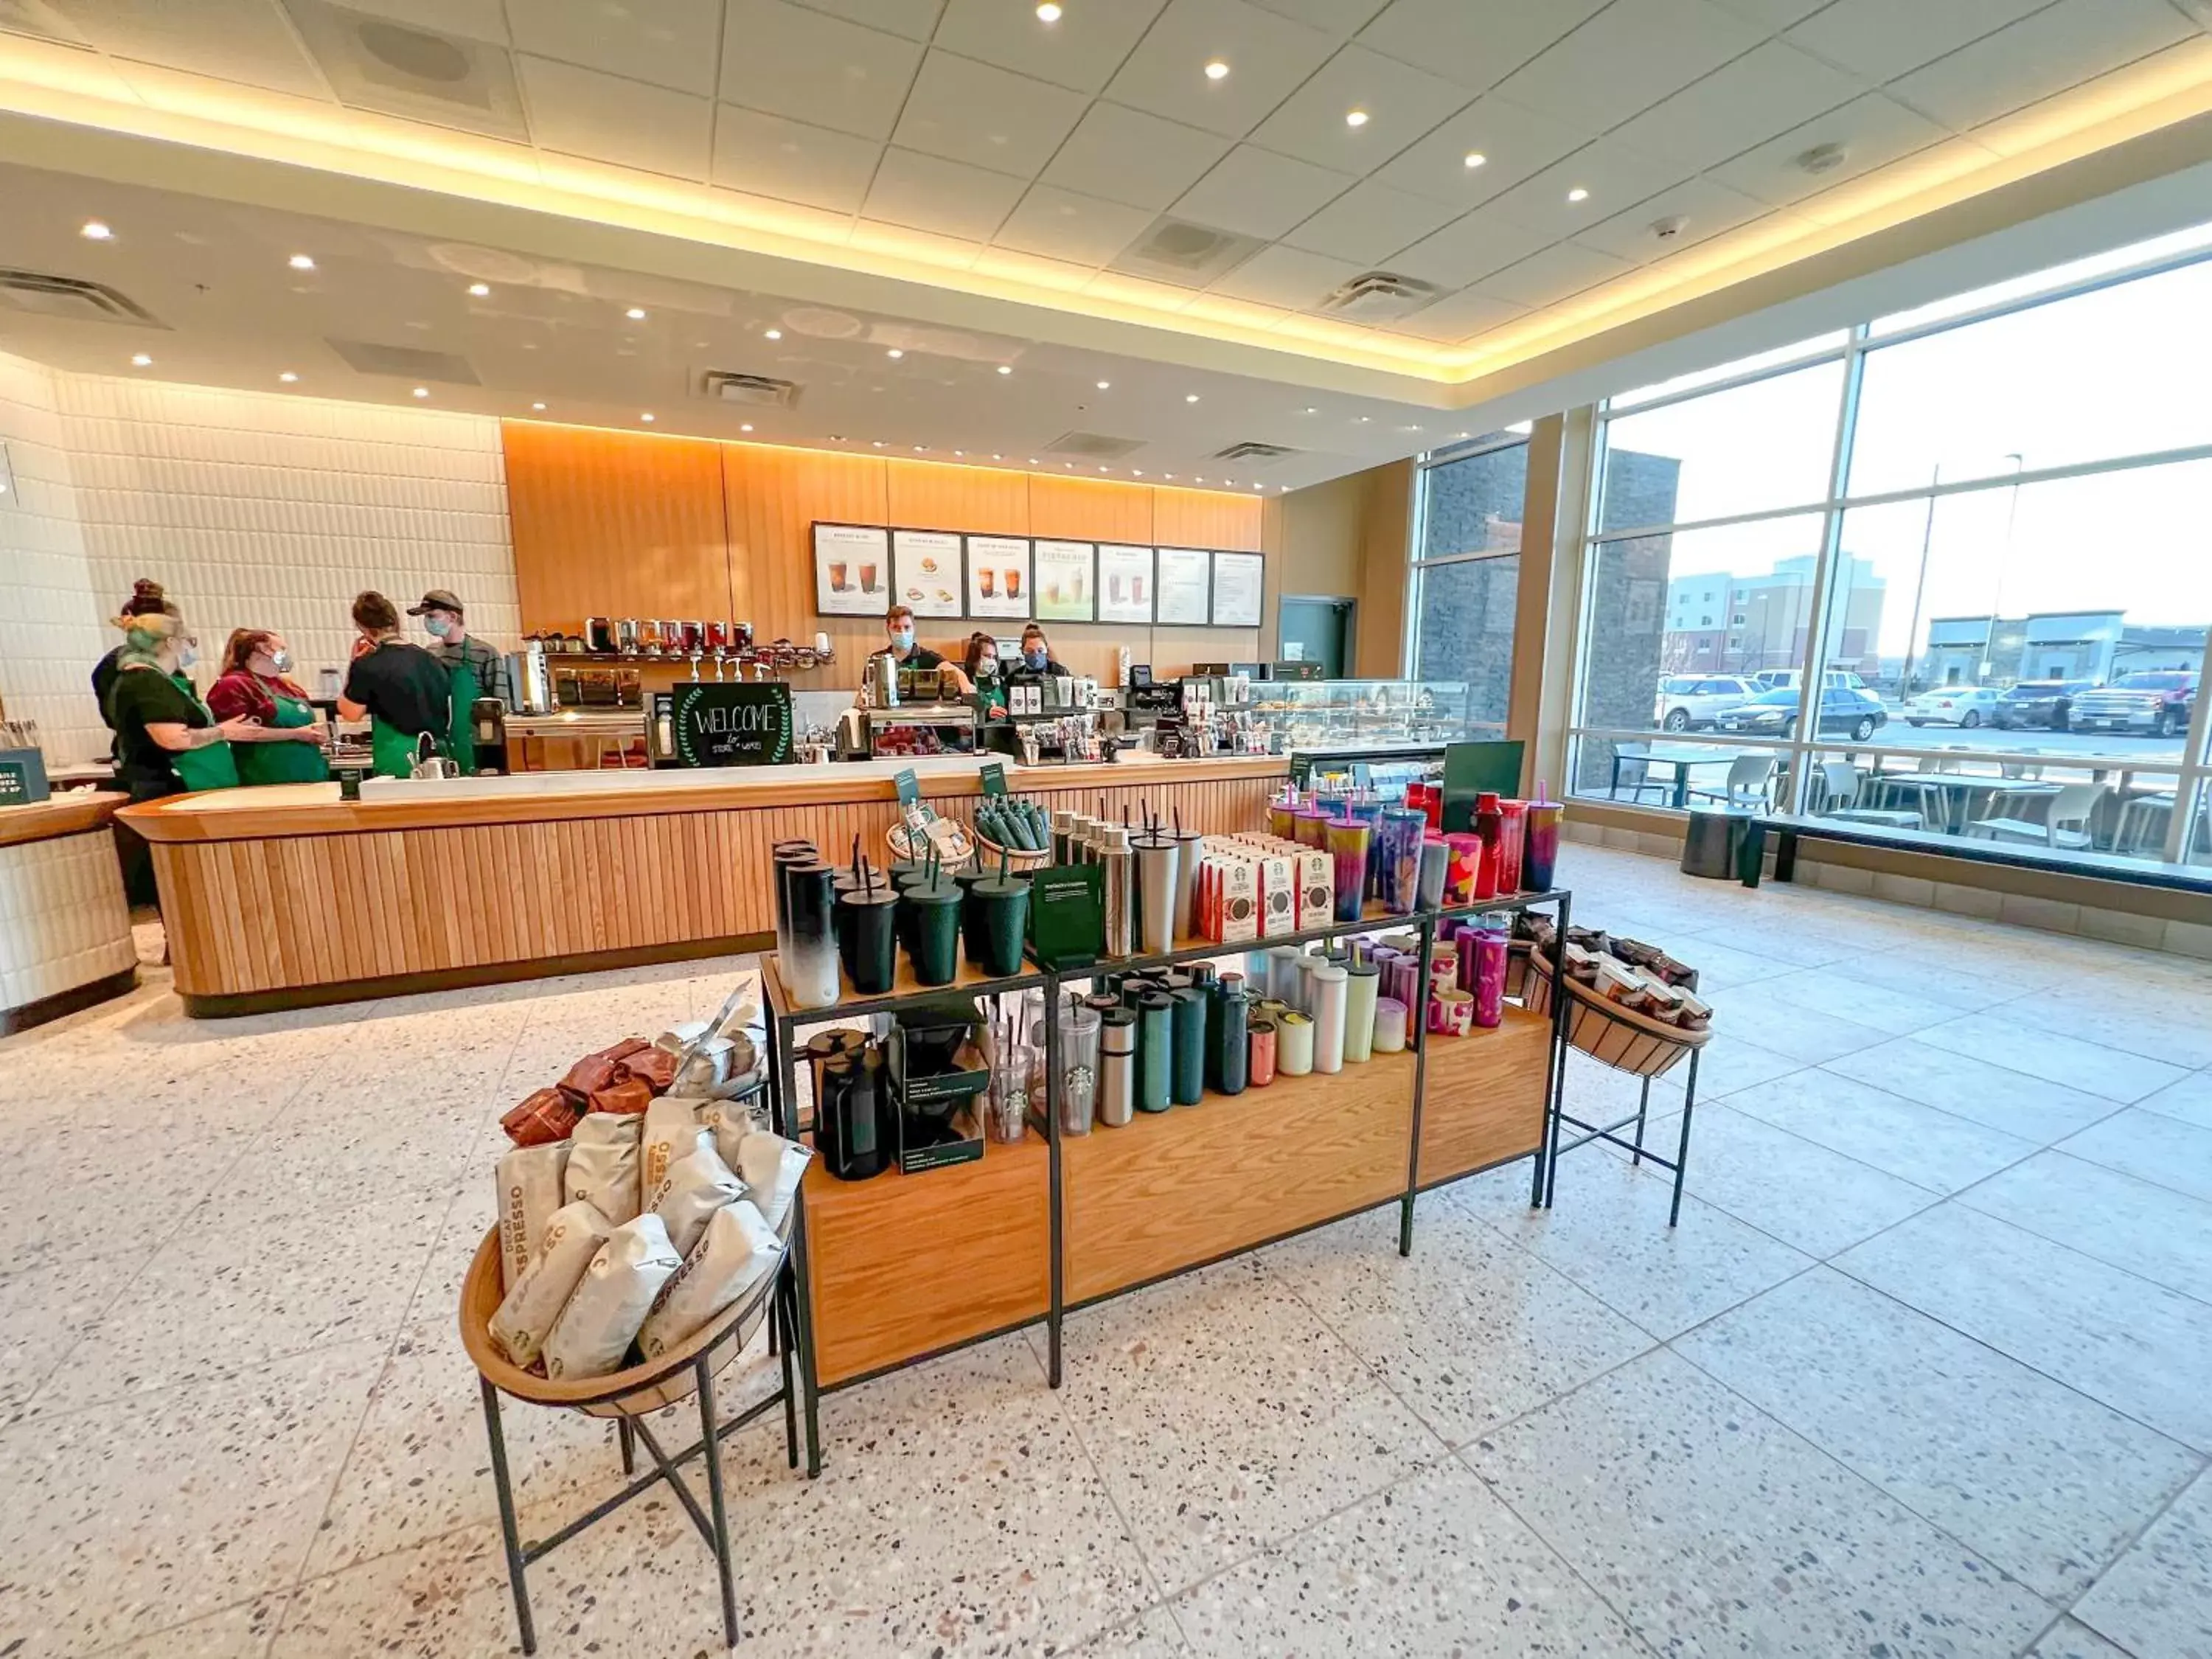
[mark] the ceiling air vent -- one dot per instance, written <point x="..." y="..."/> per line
<point x="1093" y="445"/>
<point x="754" y="391"/>
<point x="74" y="297"/>
<point x="1378" y="296"/>
<point x="1254" y="453"/>
<point x="398" y="68"/>
<point x="1189" y="255"/>
<point x="404" y="363"/>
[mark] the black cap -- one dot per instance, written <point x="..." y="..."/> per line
<point x="436" y="600"/>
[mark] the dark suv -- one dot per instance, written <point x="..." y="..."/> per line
<point x="2047" y="704"/>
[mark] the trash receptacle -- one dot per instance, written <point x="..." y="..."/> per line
<point x="1724" y="846"/>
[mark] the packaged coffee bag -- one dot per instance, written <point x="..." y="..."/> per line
<point x="529" y="1194"/>
<point x="694" y="1187"/>
<point x="603" y="1155"/>
<point x="671" y="1131"/>
<point x="573" y="1238"/>
<point x="617" y="1291"/>
<point x="771" y="1168"/>
<point x="737" y="1248"/>
<point x="732" y="1120"/>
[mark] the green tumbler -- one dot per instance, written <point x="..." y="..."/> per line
<point x="1187" y="1077"/>
<point x="869" y="936"/>
<point x="998" y="908"/>
<point x="1155" y="1050"/>
<point x="932" y="928"/>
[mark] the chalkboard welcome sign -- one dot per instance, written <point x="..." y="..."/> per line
<point x="732" y="725"/>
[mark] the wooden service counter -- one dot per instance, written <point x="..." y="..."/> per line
<point x="65" y="924"/>
<point x="289" y="897"/>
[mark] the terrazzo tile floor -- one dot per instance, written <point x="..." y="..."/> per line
<point x="1925" y="1370"/>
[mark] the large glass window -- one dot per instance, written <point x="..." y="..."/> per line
<point x="1466" y="571"/>
<point x="2007" y="600"/>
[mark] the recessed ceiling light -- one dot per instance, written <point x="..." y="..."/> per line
<point x="744" y="426"/>
<point x="301" y="262"/>
<point x="921" y="449"/>
<point x="1363" y="420"/>
<point x="1259" y="486"/>
<point x="94" y="231"/>
<point x="1005" y="368"/>
<point x="636" y="313"/>
<point x="1578" y="194"/>
<point x="646" y="416"/>
<point x="1475" y="158"/>
<point x="481" y="290"/>
<point x="959" y="452"/>
<point x="1215" y="68"/>
<point x="996" y="456"/>
<point x="1198" y="480"/>
<point x="142" y="361"/>
<point x="1104" y="384"/>
<point x="1190" y="396"/>
<point x="880" y="443"/>
<point x="1461" y="435"/>
<point x="772" y="334"/>
<point x="1310" y="410"/>
<point x="539" y="407"/>
<point x="1136" y="472"/>
<point x="836" y="437"/>
<point x="421" y="391"/>
<point x="287" y="377"/>
<point x="1033" y="461"/>
<point x="1355" y="117"/>
<point x="1166" y="475"/>
<point x="1048" y="12"/>
<point x="1229" y="483"/>
<point x="894" y="352"/>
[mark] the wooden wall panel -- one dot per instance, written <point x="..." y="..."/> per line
<point x="1484" y="1097"/>
<point x="929" y="496"/>
<point x="1090" y="509"/>
<point x="775" y="497"/>
<point x="1205" y="518"/>
<point x="614" y="524"/>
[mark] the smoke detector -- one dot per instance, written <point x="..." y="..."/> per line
<point x="1377" y="296"/>
<point x="1822" y="158"/>
<point x="1668" y="228"/>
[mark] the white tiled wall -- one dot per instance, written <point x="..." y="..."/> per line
<point x="62" y="921"/>
<point x="51" y="631"/>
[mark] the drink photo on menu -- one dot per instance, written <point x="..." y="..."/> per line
<point x="850" y="562"/>
<point x="998" y="576"/>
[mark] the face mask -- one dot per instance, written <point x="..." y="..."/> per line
<point x="187" y="656"/>
<point x="437" y="627"/>
<point x="1035" y="658"/>
<point x="280" y="662"/>
<point x="902" y="639"/>
<point x="987" y="668"/>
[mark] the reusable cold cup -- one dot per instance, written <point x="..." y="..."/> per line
<point x="1512" y="841"/>
<point x="1157" y="890"/>
<point x="809" y="960"/>
<point x="871" y="917"/>
<point x="783" y="855"/>
<point x="1542" y="859"/>
<point x="1492" y="947"/>
<point x="1463" y="878"/>
<point x="1368" y="812"/>
<point x="1186" y="863"/>
<point x="1361" y="982"/>
<point x="1329" y="1018"/>
<point x="1347" y="846"/>
<point x="1001" y="907"/>
<point x="1078" y="1067"/>
<point x="1435" y="861"/>
<point x="1312" y="826"/>
<point x="933" y="930"/>
<point x="1398" y="862"/>
<point x="970" y="940"/>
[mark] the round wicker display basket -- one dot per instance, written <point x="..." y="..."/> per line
<point x="1017" y="858"/>
<point x="1603" y="1030"/>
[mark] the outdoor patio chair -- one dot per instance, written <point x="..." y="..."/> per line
<point x="1750" y="784"/>
<point x="1836" y="795"/>
<point x="2067" y="825"/>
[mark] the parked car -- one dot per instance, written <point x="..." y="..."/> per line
<point x="1688" y="703"/>
<point x="1787" y="679"/>
<point x="1843" y="713"/>
<point x="2038" y="704"/>
<point x="1962" y="706"/>
<point x="2156" y="701"/>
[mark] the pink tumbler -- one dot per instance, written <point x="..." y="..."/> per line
<point x="1511" y="838"/>
<point x="1542" y="861"/>
<point x="1488" y="945"/>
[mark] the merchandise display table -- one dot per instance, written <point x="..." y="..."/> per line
<point x="65" y="924"/>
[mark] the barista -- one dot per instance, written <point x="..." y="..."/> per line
<point x="471" y="667"/>
<point x="982" y="667"/>
<point x="899" y="646"/>
<point x="404" y="690"/>
<point x="1036" y="656"/>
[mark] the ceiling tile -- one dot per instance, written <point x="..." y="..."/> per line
<point x="1514" y="143"/>
<point x="1259" y="193"/>
<point x="1127" y="155"/>
<point x="990" y="117"/>
<point x="1879" y="39"/>
<point x="1559" y="272"/>
<point x="792" y="162"/>
<point x="1873" y="131"/>
<point x="915" y="19"/>
<point x="1616" y="176"/>
<point x="476" y="20"/>
<point x="1269" y="57"/>
<point x="1476" y="43"/>
<point x="1458" y="317"/>
<point x="1286" y="276"/>
<point x="1400" y="104"/>
<point x="1370" y="222"/>
<point x="1773" y="15"/>
<point x="927" y="192"/>
<point x="1062" y="225"/>
<point x="1767" y="91"/>
<point x="789" y="60"/>
<point x="2072" y="42"/>
<point x="580" y="111"/>
<point x="1710" y="209"/>
<point x="1082" y="49"/>
<point x="1471" y="248"/>
<point x="1341" y="18"/>
<point x="243" y="40"/>
<point x="670" y="43"/>
<point x="1629" y="57"/>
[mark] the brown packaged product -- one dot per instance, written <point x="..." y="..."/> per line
<point x="546" y="1117"/>
<point x="630" y="1094"/>
<point x="587" y="1076"/>
<point x="654" y="1068"/>
<point x="622" y="1050"/>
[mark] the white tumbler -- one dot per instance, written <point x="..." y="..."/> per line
<point x="1328" y="988"/>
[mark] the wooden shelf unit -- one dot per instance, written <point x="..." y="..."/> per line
<point x="1482" y="1098"/>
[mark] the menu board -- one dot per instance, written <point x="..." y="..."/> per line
<point x="1125" y="583"/>
<point x="851" y="570"/>
<point x="998" y="576"/>
<point x="1185" y="583"/>
<point x="1237" y="582"/>
<point x="1064" y="584"/>
<point x="927" y="565"/>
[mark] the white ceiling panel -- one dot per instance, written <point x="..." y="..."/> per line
<point x="1773" y="15"/>
<point x="789" y="60"/>
<point x="1458" y="317"/>
<point x="670" y="43"/>
<point x="792" y="162"/>
<point x="1709" y="208"/>
<point x="927" y="192"/>
<point x="1471" y="248"/>
<point x="1259" y="193"/>
<point x="1559" y="272"/>
<point x="988" y="116"/>
<point x="1370" y="222"/>
<point x="1515" y="143"/>
<point x="1287" y="276"/>
<point x="1127" y="155"/>
<point x="915" y="19"/>
<point x="580" y="111"/>
<point x="1878" y="40"/>
<point x="476" y="20"/>
<point x="1399" y="102"/>
<point x="1476" y="43"/>
<point x="1873" y="130"/>
<point x="1269" y="57"/>
<point x="1062" y="225"/>
<point x="1616" y="176"/>
<point x="1082" y="49"/>
<point x="244" y="41"/>
<point x="2071" y="42"/>
<point x="1629" y="57"/>
<point x="1767" y="91"/>
<point x="1342" y="18"/>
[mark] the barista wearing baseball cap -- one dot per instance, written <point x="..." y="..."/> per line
<point x="472" y="666"/>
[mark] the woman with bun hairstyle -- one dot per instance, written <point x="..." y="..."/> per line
<point x="147" y="600"/>
<point x="256" y="686"/>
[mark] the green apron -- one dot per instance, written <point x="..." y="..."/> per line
<point x="391" y="751"/>
<point x="289" y="762"/>
<point x="211" y="768"/>
<point x="461" y="741"/>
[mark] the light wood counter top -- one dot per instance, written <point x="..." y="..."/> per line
<point x="61" y="815"/>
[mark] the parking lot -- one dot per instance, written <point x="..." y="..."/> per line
<point x="2120" y="746"/>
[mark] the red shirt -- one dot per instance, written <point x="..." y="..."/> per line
<point x="246" y="694"/>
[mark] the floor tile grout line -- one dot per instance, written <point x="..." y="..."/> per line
<point x="2060" y="1243"/>
<point x="2140" y="1534"/>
